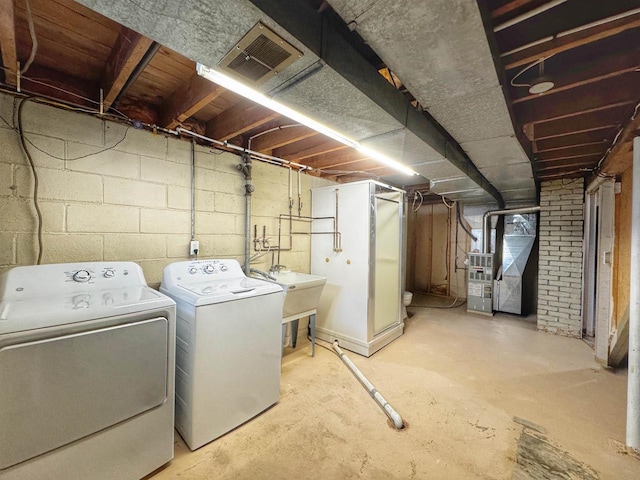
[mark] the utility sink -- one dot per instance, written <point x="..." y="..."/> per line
<point x="302" y="291"/>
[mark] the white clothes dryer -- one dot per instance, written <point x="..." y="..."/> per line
<point x="228" y="346"/>
<point x="87" y="355"/>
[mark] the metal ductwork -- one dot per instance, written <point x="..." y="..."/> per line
<point x="486" y="228"/>
<point x="347" y="93"/>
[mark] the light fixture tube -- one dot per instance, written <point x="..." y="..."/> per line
<point x="249" y="93"/>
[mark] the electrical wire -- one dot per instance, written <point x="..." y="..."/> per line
<point x="34" y="40"/>
<point x="446" y="204"/>
<point x="540" y="60"/>
<point x="23" y="136"/>
<point x="35" y="179"/>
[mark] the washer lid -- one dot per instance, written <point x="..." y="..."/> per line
<point x="223" y="290"/>
<point x="80" y="305"/>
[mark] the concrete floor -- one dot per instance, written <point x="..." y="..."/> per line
<point x="458" y="380"/>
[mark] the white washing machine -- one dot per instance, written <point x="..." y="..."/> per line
<point x="86" y="373"/>
<point x="228" y="346"/>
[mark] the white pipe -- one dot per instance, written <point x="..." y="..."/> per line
<point x="633" y="386"/>
<point x="375" y="394"/>
<point x="486" y="228"/>
<point x="528" y="15"/>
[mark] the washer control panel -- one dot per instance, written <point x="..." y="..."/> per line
<point x="213" y="267"/>
<point x="202" y="270"/>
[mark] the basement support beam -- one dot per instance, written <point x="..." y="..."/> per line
<point x="8" y="41"/>
<point x="633" y="378"/>
<point x="126" y="54"/>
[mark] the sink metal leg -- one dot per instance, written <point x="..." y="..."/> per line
<point x="312" y="327"/>
<point x="294" y="332"/>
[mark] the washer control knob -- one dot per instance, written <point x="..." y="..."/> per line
<point x="82" y="276"/>
<point x="109" y="273"/>
<point x="209" y="268"/>
<point x="193" y="270"/>
<point x="223" y="268"/>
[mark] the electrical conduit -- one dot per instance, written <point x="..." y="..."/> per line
<point x="394" y="416"/>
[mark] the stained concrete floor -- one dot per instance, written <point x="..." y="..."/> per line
<point x="458" y="380"/>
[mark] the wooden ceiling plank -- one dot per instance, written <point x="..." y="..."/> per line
<point x="574" y="76"/>
<point x="66" y="85"/>
<point x="620" y="157"/>
<point x="238" y="119"/>
<point x="188" y="100"/>
<point x="568" y="42"/>
<point x="8" y="41"/>
<point x="280" y="138"/>
<point x="128" y="51"/>
<point x="604" y="93"/>
<point x="309" y="147"/>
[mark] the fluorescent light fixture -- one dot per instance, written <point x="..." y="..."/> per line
<point x="245" y="91"/>
<point x="369" y="152"/>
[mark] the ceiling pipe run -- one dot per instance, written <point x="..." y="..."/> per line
<point x="486" y="228"/>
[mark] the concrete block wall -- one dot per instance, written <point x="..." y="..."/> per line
<point x="108" y="192"/>
<point x="560" y="262"/>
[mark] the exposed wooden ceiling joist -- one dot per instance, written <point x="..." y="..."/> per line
<point x="566" y="77"/>
<point x="570" y="41"/>
<point x="572" y="151"/>
<point x="188" y="99"/>
<point x="564" y="17"/>
<point x="604" y="118"/>
<point x="279" y="138"/>
<point x="8" y="41"/>
<point x="603" y="136"/>
<point x="512" y="6"/>
<point x="308" y="148"/>
<point x="334" y="159"/>
<point x="128" y="51"/>
<point x="622" y="88"/>
<point x="240" y="118"/>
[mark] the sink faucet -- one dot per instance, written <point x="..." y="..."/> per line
<point x="262" y="274"/>
<point x="277" y="268"/>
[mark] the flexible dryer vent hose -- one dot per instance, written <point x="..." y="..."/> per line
<point x="394" y="416"/>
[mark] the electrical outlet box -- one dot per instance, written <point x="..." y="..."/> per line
<point x="194" y="247"/>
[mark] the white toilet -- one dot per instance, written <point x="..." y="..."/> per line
<point x="406" y="301"/>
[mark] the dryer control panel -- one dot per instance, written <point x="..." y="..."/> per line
<point x="66" y="278"/>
